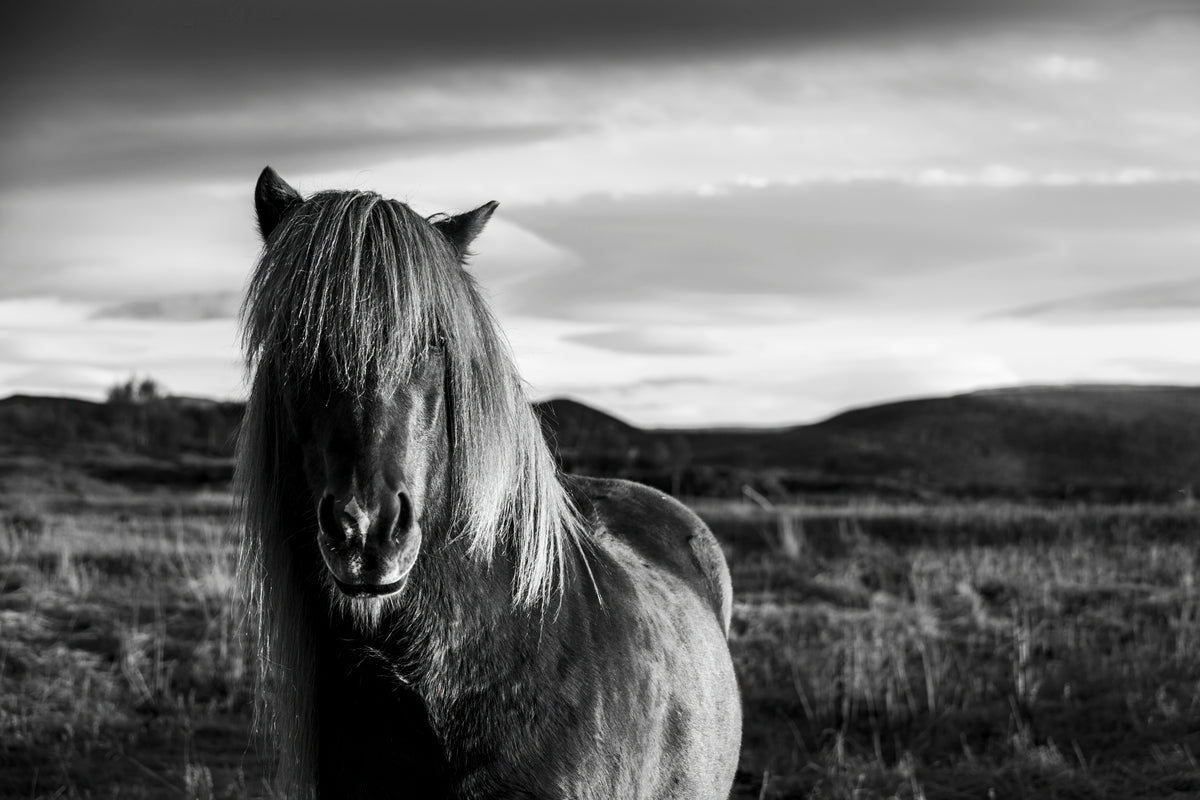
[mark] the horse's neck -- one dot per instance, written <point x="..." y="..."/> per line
<point x="469" y="637"/>
<point x="455" y="607"/>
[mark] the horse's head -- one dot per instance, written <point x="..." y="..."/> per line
<point x="356" y="344"/>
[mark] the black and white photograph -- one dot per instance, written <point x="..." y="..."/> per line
<point x="600" y="400"/>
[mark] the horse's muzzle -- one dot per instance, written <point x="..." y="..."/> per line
<point x="367" y="554"/>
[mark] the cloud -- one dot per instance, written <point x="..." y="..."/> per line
<point x="1146" y="300"/>
<point x="111" y="244"/>
<point x="177" y="308"/>
<point x="58" y="380"/>
<point x="1067" y="69"/>
<point x="220" y="41"/>
<point x="218" y="148"/>
<point x="632" y="387"/>
<point x="658" y="341"/>
<point x="645" y="256"/>
<point x="143" y="88"/>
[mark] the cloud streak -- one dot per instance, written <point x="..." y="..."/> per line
<point x="656" y="341"/>
<point x="177" y="308"/>
<point x="173" y="149"/>
<point x="1149" y="300"/>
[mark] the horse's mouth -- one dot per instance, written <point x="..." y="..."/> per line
<point x="370" y="589"/>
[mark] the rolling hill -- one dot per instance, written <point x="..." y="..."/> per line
<point x="1115" y="442"/>
<point x="1071" y="442"/>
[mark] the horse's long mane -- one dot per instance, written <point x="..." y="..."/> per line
<point x="356" y="287"/>
<point x="351" y="290"/>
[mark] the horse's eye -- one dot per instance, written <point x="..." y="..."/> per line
<point x="299" y="416"/>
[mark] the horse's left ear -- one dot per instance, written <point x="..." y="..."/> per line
<point x="273" y="197"/>
<point x="461" y="229"/>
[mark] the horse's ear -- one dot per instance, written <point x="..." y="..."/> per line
<point x="273" y="197"/>
<point x="461" y="229"/>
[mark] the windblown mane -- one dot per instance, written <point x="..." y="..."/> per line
<point x="349" y="292"/>
<point x="353" y="289"/>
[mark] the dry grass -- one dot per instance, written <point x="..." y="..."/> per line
<point x="982" y="650"/>
<point x="954" y="651"/>
<point x="124" y="672"/>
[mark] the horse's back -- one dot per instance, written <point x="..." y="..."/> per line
<point x="665" y="533"/>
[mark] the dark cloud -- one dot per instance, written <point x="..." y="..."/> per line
<point x="173" y="52"/>
<point x="229" y="36"/>
<point x="65" y="67"/>
<point x="176" y="308"/>
<point x="79" y="155"/>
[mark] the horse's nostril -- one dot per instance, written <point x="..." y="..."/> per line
<point x="327" y="519"/>
<point x="404" y="520"/>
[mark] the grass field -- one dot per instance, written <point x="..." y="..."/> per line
<point x="970" y="651"/>
<point x="916" y="651"/>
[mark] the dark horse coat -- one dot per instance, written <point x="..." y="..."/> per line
<point x="442" y="613"/>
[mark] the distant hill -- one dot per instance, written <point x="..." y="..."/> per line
<point x="1072" y="442"/>
<point x="1085" y="442"/>
<point x="169" y="440"/>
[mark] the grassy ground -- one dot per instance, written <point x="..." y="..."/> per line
<point x="966" y="651"/>
<point x="974" y="651"/>
<point x="123" y="670"/>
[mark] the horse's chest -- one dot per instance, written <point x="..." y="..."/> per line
<point x="584" y="717"/>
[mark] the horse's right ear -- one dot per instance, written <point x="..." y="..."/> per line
<point x="461" y="229"/>
<point x="273" y="197"/>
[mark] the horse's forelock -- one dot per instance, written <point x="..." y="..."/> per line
<point x="328" y="297"/>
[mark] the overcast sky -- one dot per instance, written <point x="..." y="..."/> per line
<point x="710" y="212"/>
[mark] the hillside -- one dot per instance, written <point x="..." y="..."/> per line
<point x="1079" y="442"/>
<point x="171" y="440"/>
<point x="1113" y="442"/>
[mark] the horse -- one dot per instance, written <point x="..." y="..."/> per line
<point x="441" y="612"/>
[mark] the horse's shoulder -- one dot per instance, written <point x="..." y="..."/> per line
<point x="662" y="531"/>
<point x="622" y="501"/>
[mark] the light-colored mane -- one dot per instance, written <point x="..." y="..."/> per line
<point x="350" y="291"/>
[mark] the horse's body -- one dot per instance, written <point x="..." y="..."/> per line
<point x="620" y="700"/>
<point x="418" y="661"/>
